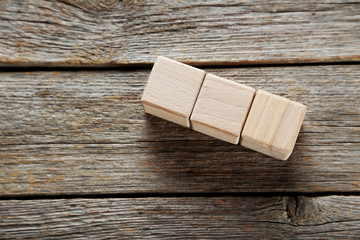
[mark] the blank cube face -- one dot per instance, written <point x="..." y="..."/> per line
<point x="221" y="108"/>
<point x="171" y="90"/>
<point x="273" y="125"/>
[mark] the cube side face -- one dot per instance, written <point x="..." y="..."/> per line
<point x="171" y="90"/>
<point x="273" y="125"/>
<point x="267" y="151"/>
<point x="170" y="116"/>
<point x="213" y="132"/>
<point x="221" y="108"/>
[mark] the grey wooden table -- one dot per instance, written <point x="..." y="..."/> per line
<point x="80" y="159"/>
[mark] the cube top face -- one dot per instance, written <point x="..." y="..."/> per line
<point x="221" y="108"/>
<point x="273" y="125"/>
<point x="172" y="90"/>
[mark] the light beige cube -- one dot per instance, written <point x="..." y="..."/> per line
<point x="172" y="90"/>
<point x="221" y="108"/>
<point x="273" y="125"/>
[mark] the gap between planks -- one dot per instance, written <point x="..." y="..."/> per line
<point x="177" y="195"/>
<point x="148" y="66"/>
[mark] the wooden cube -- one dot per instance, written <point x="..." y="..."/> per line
<point x="272" y="125"/>
<point x="172" y="90"/>
<point x="221" y="108"/>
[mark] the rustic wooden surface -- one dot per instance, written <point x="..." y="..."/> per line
<point x="97" y="33"/>
<point x="230" y="217"/>
<point x="80" y="159"/>
<point x="86" y="132"/>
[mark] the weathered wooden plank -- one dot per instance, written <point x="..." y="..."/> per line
<point x="86" y="132"/>
<point x="97" y="33"/>
<point x="188" y="217"/>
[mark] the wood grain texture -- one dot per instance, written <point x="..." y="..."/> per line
<point x="171" y="90"/>
<point x="273" y="125"/>
<point x="228" y="217"/>
<point x="86" y="132"/>
<point x="221" y="108"/>
<point x="103" y="33"/>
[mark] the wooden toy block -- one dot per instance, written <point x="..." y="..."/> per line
<point x="221" y="108"/>
<point x="172" y="90"/>
<point x="272" y="125"/>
